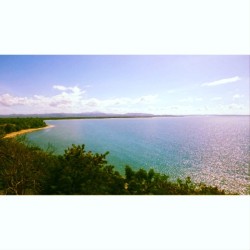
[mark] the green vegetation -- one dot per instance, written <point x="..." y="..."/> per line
<point x="26" y="169"/>
<point x="8" y="125"/>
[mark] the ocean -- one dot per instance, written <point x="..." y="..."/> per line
<point x="210" y="149"/>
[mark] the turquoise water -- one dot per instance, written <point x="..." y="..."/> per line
<point x="212" y="149"/>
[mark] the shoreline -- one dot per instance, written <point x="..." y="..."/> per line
<point x="25" y="131"/>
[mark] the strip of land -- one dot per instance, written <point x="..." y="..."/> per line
<point x="25" y="131"/>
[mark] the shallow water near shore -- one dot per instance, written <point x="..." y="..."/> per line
<point x="212" y="149"/>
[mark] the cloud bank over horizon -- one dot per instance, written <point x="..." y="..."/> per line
<point x="73" y="100"/>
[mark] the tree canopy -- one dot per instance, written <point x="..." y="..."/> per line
<point x="8" y="125"/>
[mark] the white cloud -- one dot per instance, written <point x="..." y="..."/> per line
<point x="72" y="99"/>
<point x="74" y="89"/>
<point x="221" y="81"/>
<point x="146" y="99"/>
<point x="119" y="102"/>
<point x="9" y="100"/>
<point x="217" y="98"/>
<point x="171" y="91"/>
<point x="59" y="87"/>
<point x="191" y="100"/>
<point x="237" y="96"/>
<point x="234" y="108"/>
<point x="199" y="99"/>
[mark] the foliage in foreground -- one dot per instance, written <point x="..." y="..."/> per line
<point x="30" y="170"/>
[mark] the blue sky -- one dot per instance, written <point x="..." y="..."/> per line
<point x="180" y="85"/>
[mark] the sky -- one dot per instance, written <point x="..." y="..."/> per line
<point x="167" y="84"/>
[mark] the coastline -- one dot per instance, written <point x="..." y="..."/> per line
<point x="25" y="131"/>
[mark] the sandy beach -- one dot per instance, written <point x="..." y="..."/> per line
<point x="25" y="131"/>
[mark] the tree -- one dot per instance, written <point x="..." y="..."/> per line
<point x="21" y="168"/>
<point x="81" y="172"/>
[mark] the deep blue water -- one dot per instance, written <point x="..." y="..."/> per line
<point x="212" y="149"/>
